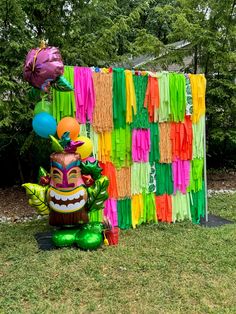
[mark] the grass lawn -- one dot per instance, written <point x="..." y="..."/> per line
<point x="161" y="268"/>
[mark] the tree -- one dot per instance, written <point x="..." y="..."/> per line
<point x="87" y="33"/>
<point x="102" y="33"/>
<point x="210" y="27"/>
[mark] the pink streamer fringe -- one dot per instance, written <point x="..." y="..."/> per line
<point x="110" y="211"/>
<point x="141" y="145"/>
<point x="84" y="94"/>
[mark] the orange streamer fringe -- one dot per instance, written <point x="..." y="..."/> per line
<point x="164" y="207"/>
<point x="123" y="176"/>
<point x="165" y="143"/>
<point x="110" y="172"/>
<point x="102" y="114"/>
<point x="152" y="98"/>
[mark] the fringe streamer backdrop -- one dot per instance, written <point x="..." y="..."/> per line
<point x="147" y="130"/>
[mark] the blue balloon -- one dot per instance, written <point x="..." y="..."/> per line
<point x="44" y="124"/>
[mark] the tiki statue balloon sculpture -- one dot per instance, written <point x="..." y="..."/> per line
<point x="71" y="190"/>
<point x="74" y="187"/>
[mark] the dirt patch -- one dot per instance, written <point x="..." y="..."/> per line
<point x="14" y="202"/>
<point x="218" y="181"/>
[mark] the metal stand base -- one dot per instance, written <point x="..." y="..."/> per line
<point x="44" y="240"/>
<point x="214" y="221"/>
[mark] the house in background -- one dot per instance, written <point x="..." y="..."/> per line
<point x="175" y="57"/>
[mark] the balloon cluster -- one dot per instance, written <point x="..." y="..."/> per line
<point x="43" y="69"/>
<point x="67" y="131"/>
<point x="75" y="186"/>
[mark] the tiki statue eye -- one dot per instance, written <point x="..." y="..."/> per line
<point x="73" y="173"/>
<point x="56" y="174"/>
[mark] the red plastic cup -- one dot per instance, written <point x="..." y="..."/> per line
<point x="112" y="236"/>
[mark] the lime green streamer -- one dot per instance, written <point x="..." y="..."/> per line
<point x="83" y="130"/>
<point x="164" y="91"/>
<point x="155" y="139"/>
<point x="149" y="208"/>
<point x="140" y="176"/>
<point x="140" y="120"/>
<point x="121" y="147"/>
<point x="181" y="207"/>
<point x="87" y="130"/>
<point x="94" y="139"/>
<point x="124" y="213"/>
<point x="196" y="174"/>
<point x="177" y="86"/>
<point x="198" y="136"/>
<point x="63" y="103"/>
<point x="164" y="179"/>
<point x="197" y="204"/>
<point x="96" y="216"/>
<point x="119" y="98"/>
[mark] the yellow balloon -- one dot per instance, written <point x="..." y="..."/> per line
<point x="86" y="149"/>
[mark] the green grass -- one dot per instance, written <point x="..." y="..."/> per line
<point x="162" y="268"/>
<point x="223" y="205"/>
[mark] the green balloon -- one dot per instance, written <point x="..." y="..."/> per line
<point x="64" y="237"/>
<point x="43" y="106"/>
<point x="88" y="240"/>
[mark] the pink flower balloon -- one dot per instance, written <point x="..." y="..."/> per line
<point x="43" y="66"/>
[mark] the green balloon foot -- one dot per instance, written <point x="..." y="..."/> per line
<point x="88" y="240"/>
<point x="63" y="238"/>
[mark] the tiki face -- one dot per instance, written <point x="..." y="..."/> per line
<point x="66" y="193"/>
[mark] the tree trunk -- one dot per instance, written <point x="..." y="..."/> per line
<point x="206" y="65"/>
<point x="195" y="59"/>
<point x="20" y="169"/>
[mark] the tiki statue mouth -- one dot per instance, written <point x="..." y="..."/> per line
<point x="67" y="201"/>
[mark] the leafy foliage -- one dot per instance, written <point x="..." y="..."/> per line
<point x="221" y="122"/>
<point x="210" y="27"/>
<point x="91" y="168"/>
<point x="37" y="197"/>
<point x="104" y="33"/>
<point x="97" y="194"/>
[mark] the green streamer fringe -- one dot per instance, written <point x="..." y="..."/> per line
<point x="63" y="103"/>
<point x="164" y="179"/>
<point x="124" y="213"/>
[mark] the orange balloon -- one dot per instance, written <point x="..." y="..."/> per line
<point x="68" y="124"/>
